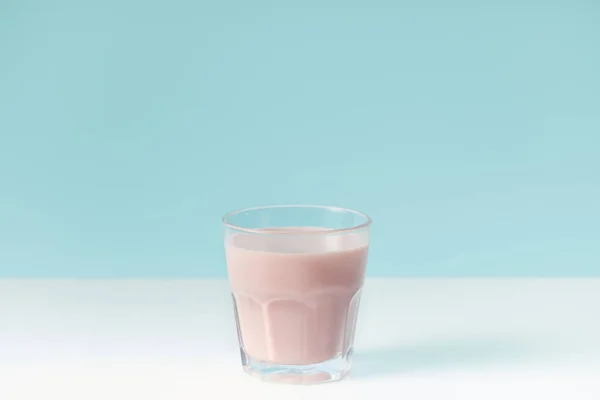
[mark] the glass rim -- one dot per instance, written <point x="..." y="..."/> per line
<point x="325" y="231"/>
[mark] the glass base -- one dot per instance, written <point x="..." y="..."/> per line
<point x="326" y="371"/>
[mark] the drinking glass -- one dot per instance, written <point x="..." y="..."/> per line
<point x="296" y="273"/>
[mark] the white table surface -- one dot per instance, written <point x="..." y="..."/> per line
<point x="417" y="339"/>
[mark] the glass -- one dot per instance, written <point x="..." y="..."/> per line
<point x="296" y="274"/>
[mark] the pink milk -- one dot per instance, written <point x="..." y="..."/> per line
<point x="296" y="295"/>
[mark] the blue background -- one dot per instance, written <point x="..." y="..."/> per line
<point x="470" y="131"/>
